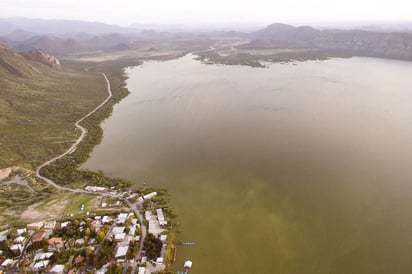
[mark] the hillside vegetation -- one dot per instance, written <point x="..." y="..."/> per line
<point x="39" y="105"/>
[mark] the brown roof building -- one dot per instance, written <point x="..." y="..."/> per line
<point x="79" y="259"/>
<point x="55" y="240"/>
<point x="36" y="226"/>
<point x="38" y="236"/>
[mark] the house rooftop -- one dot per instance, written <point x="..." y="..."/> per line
<point x="21" y="231"/>
<point x="106" y="219"/>
<point x="118" y="229"/>
<point x="7" y="262"/>
<point x="121" y="251"/>
<point x="64" y="224"/>
<point x="120" y="236"/>
<point x="121" y="218"/>
<point x="41" y="264"/>
<point x="42" y="256"/>
<point x="36" y="226"/>
<point x="55" y="240"/>
<point x="79" y="259"/>
<point x="58" y="268"/>
<point x="37" y="236"/>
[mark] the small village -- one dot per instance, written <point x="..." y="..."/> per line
<point x="133" y="236"/>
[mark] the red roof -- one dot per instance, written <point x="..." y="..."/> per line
<point x="79" y="259"/>
<point x="38" y="236"/>
<point x="55" y="240"/>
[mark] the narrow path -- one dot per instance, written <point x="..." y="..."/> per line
<point x="74" y="146"/>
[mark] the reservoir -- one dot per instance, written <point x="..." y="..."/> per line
<point x="288" y="169"/>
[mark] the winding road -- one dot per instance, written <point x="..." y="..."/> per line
<point x="74" y="146"/>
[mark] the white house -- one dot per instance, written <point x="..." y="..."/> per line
<point x="161" y="217"/>
<point x="57" y="269"/>
<point x="121" y="251"/>
<point x="150" y="195"/>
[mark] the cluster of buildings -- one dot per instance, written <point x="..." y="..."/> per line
<point x="156" y="221"/>
<point x="122" y="238"/>
<point x="38" y="258"/>
<point x="18" y="240"/>
<point x="38" y="247"/>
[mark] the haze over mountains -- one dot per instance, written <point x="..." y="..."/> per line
<point x="51" y="26"/>
<point x="67" y="36"/>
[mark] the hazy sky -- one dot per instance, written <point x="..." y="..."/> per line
<point x="125" y="12"/>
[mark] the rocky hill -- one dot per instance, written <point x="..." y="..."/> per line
<point x="23" y="65"/>
<point x="42" y="57"/>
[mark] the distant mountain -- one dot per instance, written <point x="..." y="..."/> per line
<point x="388" y="27"/>
<point x="357" y="42"/>
<point x="19" y="35"/>
<point x="124" y="46"/>
<point x="199" y="28"/>
<point x="5" y="27"/>
<point x="50" y="43"/>
<point x="80" y="42"/>
<point x="52" y="26"/>
<point x="229" y="34"/>
<point x="108" y="40"/>
<point x="283" y="32"/>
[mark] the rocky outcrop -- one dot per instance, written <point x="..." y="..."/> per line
<point x="25" y="65"/>
<point x="13" y="63"/>
<point x="42" y="57"/>
<point x="5" y="173"/>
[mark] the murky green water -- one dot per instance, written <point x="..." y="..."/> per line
<point x="288" y="169"/>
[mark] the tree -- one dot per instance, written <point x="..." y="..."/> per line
<point x="153" y="246"/>
<point x="100" y="236"/>
<point x="12" y="234"/>
<point x="87" y="232"/>
<point x="88" y="252"/>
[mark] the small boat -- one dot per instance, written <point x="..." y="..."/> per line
<point x="187" y="243"/>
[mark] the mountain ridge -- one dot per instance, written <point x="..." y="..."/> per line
<point x="359" y="42"/>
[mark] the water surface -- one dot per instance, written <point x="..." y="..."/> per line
<point x="287" y="169"/>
